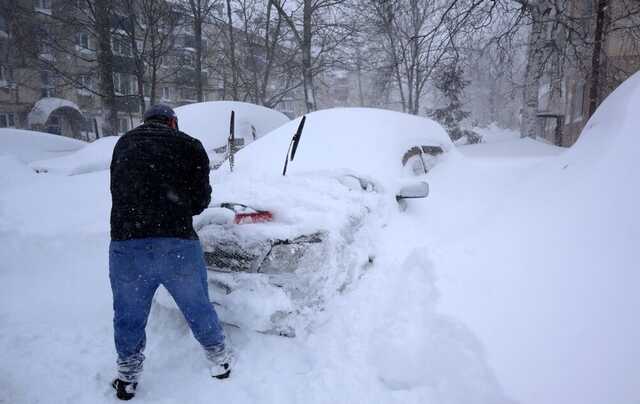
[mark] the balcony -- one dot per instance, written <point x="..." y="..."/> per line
<point x="7" y="85"/>
<point x="84" y="92"/>
<point x="47" y="56"/>
<point x="85" y="51"/>
<point x="43" y="10"/>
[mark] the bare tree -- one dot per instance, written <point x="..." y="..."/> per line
<point x="200" y="13"/>
<point x="263" y="66"/>
<point x="103" y="12"/>
<point x="232" y="52"/>
<point x="150" y="31"/>
<point x="315" y="26"/>
<point x="419" y="35"/>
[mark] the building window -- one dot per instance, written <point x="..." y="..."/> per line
<point x="188" y="94"/>
<point x="121" y="47"/>
<point x="48" y="84"/>
<point x="578" y="102"/>
<point x="125" y="84"/>
<point x="4" y="30"/>
<point x="85" y="41"/>
<point x="6" y="76"/>
<point x="86" y="85"/>
<point x="133" y="82"/>
<point x="123" y="125"/>
<point x="7" y="120"/>
<point x="46" y="92"/>
<point x="188" y="59"/>
<point x="167" y="93"/>
<point x="188" y="41"/>
<point x="43" y="6"/>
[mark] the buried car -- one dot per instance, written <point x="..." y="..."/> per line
<point x="209" y="122"/>
<point x="279" y="246"/>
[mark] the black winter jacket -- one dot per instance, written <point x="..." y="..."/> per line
<point x="159" y="180"/>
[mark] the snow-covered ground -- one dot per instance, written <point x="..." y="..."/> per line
<point x="515" y="281"/>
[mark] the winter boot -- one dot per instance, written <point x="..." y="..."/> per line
<point x="221" y="363"/>
<point x="124" y="390"/>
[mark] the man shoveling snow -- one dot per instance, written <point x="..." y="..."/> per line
<point x="159" y="180"/>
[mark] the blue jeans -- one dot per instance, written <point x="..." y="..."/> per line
<point x="136" y="268"/>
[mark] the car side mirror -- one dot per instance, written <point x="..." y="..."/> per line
<point x="413" y="191"/>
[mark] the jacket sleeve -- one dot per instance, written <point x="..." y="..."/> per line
<point x="201" y="188"/>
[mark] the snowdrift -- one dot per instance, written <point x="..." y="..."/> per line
<point x="28" y="145"/>
<point x="541" y="260"/>
<point x="610" y="139"/>
<point x="209" y="121"/>
<point x="95" y="156"/>
<point x="370" y="142"/>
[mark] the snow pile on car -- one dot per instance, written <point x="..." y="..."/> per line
<point x="28" y="145"/>
<point x="369" y="142"/>
<point x="14" y="172"/>
<point x="209" y="121"/>
<point x="95" y="156"/>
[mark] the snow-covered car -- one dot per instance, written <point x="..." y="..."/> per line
<point x="207" y="121"/>
<point x="278" y="247"/>
<point x="210" y="122"/>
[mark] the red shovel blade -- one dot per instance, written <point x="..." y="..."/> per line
<point x="257" y="217"/>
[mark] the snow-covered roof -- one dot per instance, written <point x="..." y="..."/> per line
<point x="44" y="107"/>
<point x="209" y="121"/>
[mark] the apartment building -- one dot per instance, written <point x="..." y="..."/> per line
<point x="564" y="94"/>
<point x="49" y="72"/>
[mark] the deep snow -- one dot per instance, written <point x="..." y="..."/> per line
<point x="28" y="145"/>
<point x="515" y="280"/>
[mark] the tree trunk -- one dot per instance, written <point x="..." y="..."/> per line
<point x="307" y="73"/>
<point x="154" y="65"/>
<point x="197" y="30"/>
<point x="232" y="55"/>
<point x="530" y="126"/>
<point x="105" y="63"/>
<point x="594" y="92"/>
<point x="359" y="73"/>
<point x="137" y="57"/>
<point x="154" y="85"/>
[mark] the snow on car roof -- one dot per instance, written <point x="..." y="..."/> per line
<point x="209" y="121"/>
<point x="363" y="140"/>
<point x="28" y="145"/>
<point x="95" y="156"/>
